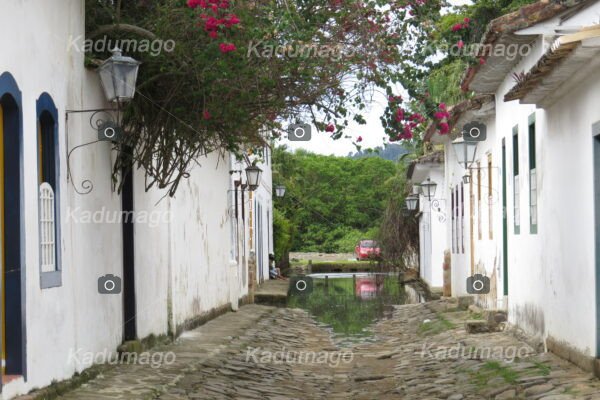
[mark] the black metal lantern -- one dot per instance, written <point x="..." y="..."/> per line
<point x="279" y="190"/>
<point x="466" y="179"/>
<point x="118" y="76"/>
<point x="253" y="177"/>
<point x="411" y="202"/>
<point x="428" y="188"/>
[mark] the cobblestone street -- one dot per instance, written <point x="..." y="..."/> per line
<point x="404" y="359"/>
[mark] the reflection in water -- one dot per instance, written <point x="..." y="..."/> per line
<point x="350" y="304"/>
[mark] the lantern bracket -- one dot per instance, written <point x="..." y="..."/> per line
<point x="96" y="120"/>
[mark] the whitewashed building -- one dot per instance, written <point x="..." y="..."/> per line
<point x="177" y="259"/>
<point x="432" y="217"/>
<point x="474" y="223"/>
<point x="532" y="204"/>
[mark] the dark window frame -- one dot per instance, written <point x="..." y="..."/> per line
<point x="533" y="195"/>
<point x="516" y="182"/>
<point x="48" y="160"/>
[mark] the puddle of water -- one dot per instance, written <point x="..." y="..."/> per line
<point x="350" y="304"/>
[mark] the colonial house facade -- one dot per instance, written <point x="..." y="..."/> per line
<point x="432" y="218"/>
<point x="65" y="230"/>
<point x="528" y="218"/>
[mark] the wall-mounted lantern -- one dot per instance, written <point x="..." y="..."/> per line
<point x="118" y="76"/>
<point x="465" y="152"/>
<point x="280" y="191"/>
<point x="428" y="188"/>
<point x="253" y="177"/>
<point x="411" y="202"/>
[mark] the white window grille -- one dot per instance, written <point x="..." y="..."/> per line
<point x="47" y="228"/>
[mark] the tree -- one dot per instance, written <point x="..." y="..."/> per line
<point x="240" y="68"/>
<point x="283" y="232"/>
<point x="399" y="230"/>
<point x="332" y="202"/>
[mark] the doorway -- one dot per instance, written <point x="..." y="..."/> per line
<point x="12" y="274"/>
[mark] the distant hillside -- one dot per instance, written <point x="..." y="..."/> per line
<point x="390" y="152"/>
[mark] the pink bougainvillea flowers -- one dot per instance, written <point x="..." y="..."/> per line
<point x="399" y="115"/>
<point x="330" y="128"/>
<point x="457" y="27"/>
<point x="227" y="47"/>
<point x="231" y="20"/>
<point x="444" y="128"/>
<point x="359" y="139"/>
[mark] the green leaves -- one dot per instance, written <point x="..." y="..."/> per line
<point x="331" y="201"/>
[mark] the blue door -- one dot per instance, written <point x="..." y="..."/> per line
<point x="11" y="239"/>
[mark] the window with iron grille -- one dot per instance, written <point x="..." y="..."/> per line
<point x="47" y="228"/>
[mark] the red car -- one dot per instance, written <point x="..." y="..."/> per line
<point x="367" y="249"/>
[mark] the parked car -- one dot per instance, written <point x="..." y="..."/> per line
<point x="367" y="249"/>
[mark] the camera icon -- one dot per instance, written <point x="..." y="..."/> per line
<point x="301" y="285"/>
<point x="299" y="132"/>
<point x="478" y="284"/>
<point x="109" y="284"/>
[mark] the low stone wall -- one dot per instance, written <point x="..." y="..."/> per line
<point x="324" y="267"/>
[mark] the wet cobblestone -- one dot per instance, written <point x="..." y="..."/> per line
<point x="406" y="359"/>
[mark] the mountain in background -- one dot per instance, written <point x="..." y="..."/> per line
<point x="390" y="152"/>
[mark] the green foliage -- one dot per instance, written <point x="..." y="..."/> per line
<point x="444" y="82"/>
<point x="431" y="73"/>
<point x="543" y="368"/>
<point x="494" y="369"/>
<point x="332" y="202"/>
<point x="389" y="151"/>
<point x="399" y="229"/>
<point x="282" y="236"/>
<point x="436" y="326"/>
<point x="198" y="98"/>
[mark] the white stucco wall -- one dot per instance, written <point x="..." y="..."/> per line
<point x="552" y="273"/>
<point x="460" y="245"/>
<point x="182" y="265"/>
<point x="432" y="225"/>
<point x="73" y="315"/>
<point x="200" y="240"/>
<point x="263" y="195"/>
